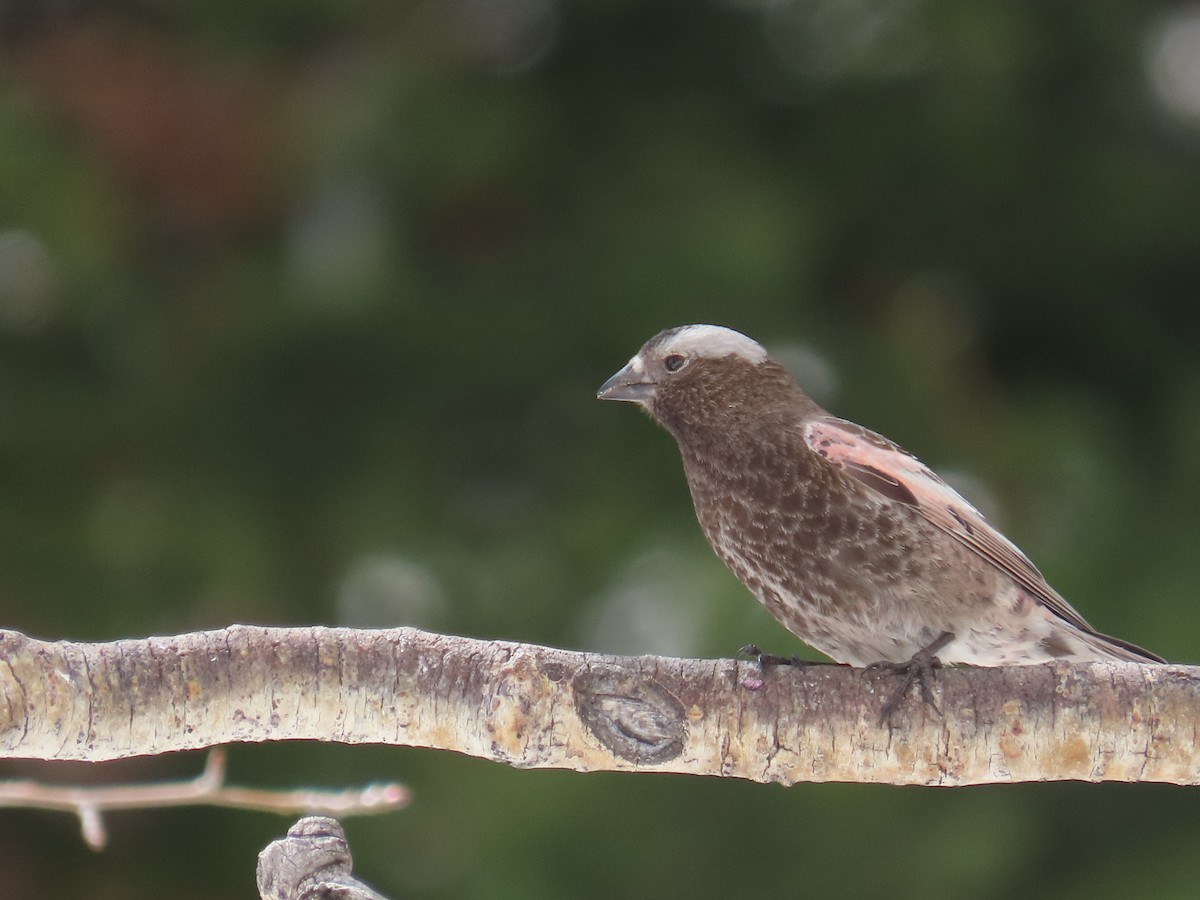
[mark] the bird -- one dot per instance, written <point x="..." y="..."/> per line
<point x="848" y="540"/>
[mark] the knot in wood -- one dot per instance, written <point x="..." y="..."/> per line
<point x="635" y="719"/>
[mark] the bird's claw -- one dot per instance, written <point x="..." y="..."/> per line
<point x="917" y="670"/>
<point x="752" y="653"/>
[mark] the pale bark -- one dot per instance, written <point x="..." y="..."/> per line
<point x="532" y="706"/>
<point x="312" y="862"/>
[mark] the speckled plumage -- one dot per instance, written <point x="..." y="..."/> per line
<point x="854" y="545"/>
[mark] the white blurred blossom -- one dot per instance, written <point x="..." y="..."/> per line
<point x="28" y="283"/>
<point x="1173" y="62"/>
<point x="383" y="590"/>
<point x="659" y="603"/>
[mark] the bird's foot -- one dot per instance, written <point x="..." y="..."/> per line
<point x="917" y="670"/>
<point x="752" y="653"/>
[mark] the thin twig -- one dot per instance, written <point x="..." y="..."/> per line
<point x="89" y="803"/>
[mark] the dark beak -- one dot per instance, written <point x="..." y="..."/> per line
<point x="628" y="385"/>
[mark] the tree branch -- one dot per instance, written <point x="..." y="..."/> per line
<point x="531" y="706"/>
<point x="311" y="863"/>
<point x="89" y="803"/>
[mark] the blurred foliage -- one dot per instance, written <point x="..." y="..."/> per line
<point x="302" y="309"/>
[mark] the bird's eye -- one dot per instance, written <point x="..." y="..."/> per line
<point x="674" y="362"/>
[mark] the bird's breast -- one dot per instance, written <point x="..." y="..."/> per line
<point x="793" y="526"/>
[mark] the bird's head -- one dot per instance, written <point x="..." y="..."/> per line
<point x="701" y="378"/>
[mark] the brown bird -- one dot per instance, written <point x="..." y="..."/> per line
<point x="852" y="543"/>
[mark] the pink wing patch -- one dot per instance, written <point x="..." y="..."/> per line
<point x="898" y="475"/>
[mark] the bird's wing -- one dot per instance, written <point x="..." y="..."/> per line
<point x="898" y="475"/>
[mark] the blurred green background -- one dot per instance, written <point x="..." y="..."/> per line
<point x="302" y="311"/>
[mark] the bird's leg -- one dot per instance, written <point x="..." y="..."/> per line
<point x="918" y="669"/>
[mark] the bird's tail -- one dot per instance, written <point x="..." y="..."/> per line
<point x="1114" y="648"/>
